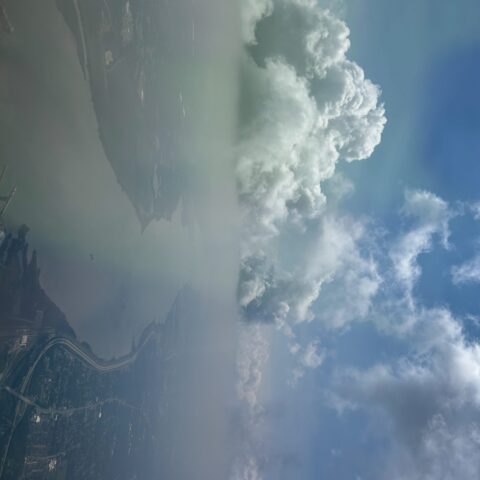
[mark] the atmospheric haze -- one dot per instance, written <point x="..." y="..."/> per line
<point x="108" y="276"/>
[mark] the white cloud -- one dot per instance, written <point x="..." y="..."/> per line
<point x="312" y="357"/>
<point x="293" y="143"/>
<point x="275" y="178"/>
<point x="270" y="294"/>
<point x="252" y="11"/>
<point x="345" y="265"/>
<point x="475" y="209"/>
<point x="425" y="402"/>
<point x="467" y="272"/>
<point x="307" y="107"/>
<point x="326" y="39"/>
<point x="356" y="281"/>
<point x="447" y="451"/>
<point x="310" y="108"/>
<point x="429" y="398"/>
<point x="349" y="109"/>
<point x="252" y="357"/>
<point x="431" y="216"/>
<point x="281" y="296"/>
<point x="246" y="468"/>
<point x="339" y="187"/>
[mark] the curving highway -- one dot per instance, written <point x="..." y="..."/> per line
<point x="84" y="356"/>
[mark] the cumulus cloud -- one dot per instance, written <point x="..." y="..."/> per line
<point x="449" y="452"/>
<point x="354" y="272"/>
<point x="316" y="38"/>
<point x="285" y="298"/>
<point x="467" y="272"/>
<point x="274" y="176"/>
<point x="252" y="358"/>
<point x="272" y="296"/>
<point x="429" y="398"/>
<point x="431" y="216"/>
<point x="333" y="255"/>
<point x="294" y="142"/>
<point x="252" y="11"/>
<point x="425" y="400"/>
<point x="305" y="107"/>
<point x="312" y="357"/>
<point x="357" y="278"/>
<point x="475" y="209"/>
<point x="253" y="354"/>
<point x="339" y="187"/>
<point x="310" y="108"/>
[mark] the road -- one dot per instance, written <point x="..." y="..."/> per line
<point x="84" y="60"/>
<point x="83" y="355"/>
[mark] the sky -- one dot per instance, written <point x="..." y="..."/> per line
<point x="349" y="131"/>
<point x="358" y="174"/>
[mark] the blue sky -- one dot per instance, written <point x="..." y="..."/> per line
<point x="424" y="55"/>
<point x="356" y="166"/>
<point x="378" y="376"/>
<point x="429" y="80"/>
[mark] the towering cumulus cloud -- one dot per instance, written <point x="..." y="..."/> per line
<point x="306" y="107"/>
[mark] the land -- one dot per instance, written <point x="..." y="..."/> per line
<point x="118" y="44"/>
<point x="64" y="412"/>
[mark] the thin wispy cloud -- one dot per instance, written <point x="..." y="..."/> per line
<point x="467" y="272"/>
